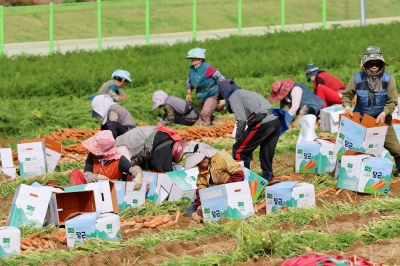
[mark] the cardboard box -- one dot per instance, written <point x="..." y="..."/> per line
<point x="151" y="178"/>
<point x="182" y="184"/>
<point x="29" y="206"/>
<point x="256" y="183"/>
<point x="31" y="157"/>
<point x="362" y="172"/>
<point x="10" y="241"/>
<point x="386" y="154"/>
<point x="64" y="204"/>
<point x="315" y="157"/>
<point x="364" y="136"/>
<point x="104" y="193"/>
<point x="6" y="158"/>
<point x="396" y="126"/>
<point x="330" y="118"/>
<point x="53" y="153"/>
<point x="92" y="225"/>
<point x="10" y="171"/>
<point x="134" y="198"/>
<point x="289" y="194"/>
<point x="231" y="201"/>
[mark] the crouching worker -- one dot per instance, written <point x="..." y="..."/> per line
<point x="105" y="162"/>
<point x="152" y="148"/>
<point x="296" y="99"/>
<point x="113" y="116"/>
<point x="215" y="168"/>
<point x="177" y="110"/>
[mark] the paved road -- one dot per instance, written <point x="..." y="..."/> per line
<point x="42" y="48"/>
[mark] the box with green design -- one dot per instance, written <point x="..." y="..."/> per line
<point x="291" y="194"/>
<point x="29" y="206"/>
<point x="151" y="178"/>
<point x="386" y="154"/>
<point x="181" y="184"/>
<point x="31" y="157"/>
<point x="9" y="241"/>
<point x="365" y="136"/>
<point x="256" y="183"/>
<point x="232" y="201"/>
<point x="365" y="173"/>
<point x="330" y="118"/>
<point x="79" y="226"/>
<point x="315" y="157"/>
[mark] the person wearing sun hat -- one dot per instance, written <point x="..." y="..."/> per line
<point x="326" y="86"/>
<point x="105" y="162"/>
<point x="296" y="99"/>
<point x="376" y="96"/>
<point x="113" y="116"/>
<point x="119" y="78"/>
<point x="215" y="168"/>
<point x="203" y="78"/>
<point x="177" y="110"/>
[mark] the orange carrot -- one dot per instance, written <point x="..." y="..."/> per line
<point x="307" y="167"/>
<point x="254" y="191"/>
<point x="322" y="192"/>
<point x="154" y="224"/>
<point x="377" y="184"/>
<point x="338" y="192"/>
<point x="32" y="236"/>
<point x="395" y="181"/>
<point x="348" y="196"/>
<point x="382" y="185"/>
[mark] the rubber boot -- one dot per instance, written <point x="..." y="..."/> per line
<point x="190" y="210"/>
<point x="397" y="161"/>
<point x="247" y="164"/>
<point x="267" y="176"/>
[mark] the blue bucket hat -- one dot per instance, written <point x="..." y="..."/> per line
<point x="123" y="74"/>
<point x="196" y="53"/>
<point x="311" y="70"/>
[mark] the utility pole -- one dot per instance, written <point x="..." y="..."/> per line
<point x="362" y="12"/>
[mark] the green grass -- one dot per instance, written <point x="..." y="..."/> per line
<point x="127" y="18"/>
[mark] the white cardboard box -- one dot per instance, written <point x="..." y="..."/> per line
<point x="80" y="226"/>
<point x="330" y="118"/>
<point x="289" y="194"/>
<point x="231" y="201"/>
<point x="316" y="157"/>
<point x="364" y="136"/>
<point x="9" y="241"/>
<point x="29" y="205"/>
<point x="134" y="198"/>
<point x="53" y="153"/>
<point x="6" y="158"/>
<point x="362" y="172"/>
<point x="151" y="178"/>
<point x="11" y="171"/>
<point x="31" y="157"/>
<point x="182" y="184"/>
<point x="104" y="194"/>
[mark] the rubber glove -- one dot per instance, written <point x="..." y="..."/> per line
<point x="190" y="210"/>
<point x="188" y="98"/>
<point x="197" y="216"/>
<point x="138" y="181"/>
<point x="288" y="118"/>
<point x="380" y="118"/>
<point x="121" y="98"/>
<point x="102" y="177"/>
<point x="349" y="111"/>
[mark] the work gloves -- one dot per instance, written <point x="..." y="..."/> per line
<point x="102" y="177"/>
<point x="380" y="118"/>
<point x="138" y="181"/>
<point x="197" y="216"/>
<point x="288" y="118"/>
<point x="349" y="111"/>
<point x="188" y="98"/>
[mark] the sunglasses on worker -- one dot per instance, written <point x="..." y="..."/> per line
<point x="374" y="63"/>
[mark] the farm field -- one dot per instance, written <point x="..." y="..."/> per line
<point x="349" y="223"/>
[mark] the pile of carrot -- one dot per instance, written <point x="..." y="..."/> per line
<point x="150" y="221"/>
<point x="37" y="243"/>
<point x="379" y="185"/>
<point x="192" y="133"/>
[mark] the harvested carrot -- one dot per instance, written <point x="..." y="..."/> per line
<point x="51" y="245"/>
<point x="26" y="242"/>
<point x="295" y="177"/>
<point x="332" y="190"/>
<point x="262" y="206"/>
<point x="167" y="219"/>
<point x="43" y="242"/>
<point x="32" y="236"/>
<point x="154" y="224"/>
<point x="338" y="192"/>
<point x="138" y="225"/>
<point x="350" y="198"/>
<point x="24" y="247"/>
<point x="44" y="237"/>
<point x="127" y="231"/>
<point x="395" y="181"/>
<point x="128" y="223"/>
<point x="322" y="192"/>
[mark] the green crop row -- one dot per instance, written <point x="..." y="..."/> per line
<point x="278" y="55"/>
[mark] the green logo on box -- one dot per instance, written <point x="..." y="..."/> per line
<point x="193" y="178"/>
<point x="341" y="135"/>
<point x="269" y="196"/>
<point x="299" y="151"/>
<point x="30" y="208"/>
<point x="6" y="240"/>
<point x="368" y="169"/>
<point x="241" y="204"/>
<point x="349" y="165"/>
<point x="71" y="231"/>
<point x="330" y="152"/>
<point x="301" y="196"/>
<point x="27" y="159"/>
<point x="370" y="146"/>
<point x="109" y="226"/>
<point x="206" y="210"/>
<point x="135" y="201"/>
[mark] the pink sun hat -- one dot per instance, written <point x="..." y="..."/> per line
<point x="102" y="144"/>
<point x="280" y="89"/>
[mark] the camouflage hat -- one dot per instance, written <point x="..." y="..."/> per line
<point x="372" y="53"/>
